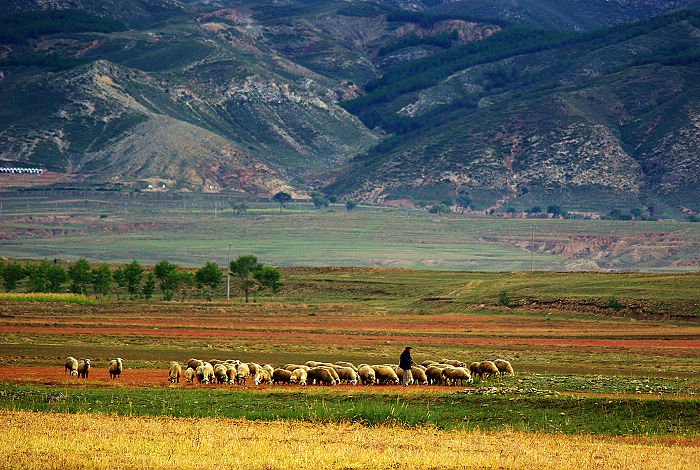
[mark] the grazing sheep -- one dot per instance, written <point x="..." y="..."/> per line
<point x="71" y="365"/>
<point x="215" y="362"/>
<point x="419" y="376"/>
<point x="221" y="374"/>
<point x="487" y="368"/>
<point x="281" y="376"/>
<point x="385" y="374"/>
<point x="367" y="375"/>
<point x="427" y="364"/>
<point x="333" y="372"/>
<point x="312" y="363"/>
<point x="194" y="363"/>
<point x="293" y="367"/>
<point x="208" y="373"/>
<point x="299" y="376"/>
<point x="84" y="368"/>
<point x="453" y="362"/>
<point x="242" y="373"/>
<point x="253" y="368"/>
<point x="474" y="369"/>
<point x="189" y="375"/>
<point x="504" y="367"/>
<point x="456" y="374"/>
<point x="321" y="376"/>
<point x="115" y="368"/>
<point x="347" y="375"/>
<point x="200" y="374"/>
<point x="231" y="370"/>
<point x="174" y="372"/>
<point x="347" y="364"/>
<point x="265" y="376"/>
<point x="435" y="375"/>
<point x="269" y="368"/>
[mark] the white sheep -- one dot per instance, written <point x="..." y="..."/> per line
<point x="115" y="368"/>
<point x="71" y="366"/>
<point x="221" y="374"/>
<point x="84" y="368"/>
<point x="299" y="376"/>
<point x="208" y="371"/>
<point x="189" y="375"/>
<point x="174" y="372"/>
<point x="456" y="374"/>
<point x="321" y="375"/>
<point x="347" y="364"/>
<point x="418" y="373"/>
<point x="367" y="374"/>
<point x="385" y="374"/>
<point x="242" y="373"/>
<point x="346" y="374"/>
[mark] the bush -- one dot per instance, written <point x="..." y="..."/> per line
<point x="504" y="299"/>
<point x="614" y="304"/>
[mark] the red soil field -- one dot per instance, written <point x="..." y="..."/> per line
<point x="343" y="339"/>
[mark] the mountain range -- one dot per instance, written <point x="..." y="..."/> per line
<point x="503" y="104"/>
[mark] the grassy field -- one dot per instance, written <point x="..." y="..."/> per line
<point x="193" y="229"/>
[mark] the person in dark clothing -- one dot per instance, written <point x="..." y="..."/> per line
<point x="405" y="363"/>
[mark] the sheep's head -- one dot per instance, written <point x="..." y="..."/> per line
<point x="74" y="372"/>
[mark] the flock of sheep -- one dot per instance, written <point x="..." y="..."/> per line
<point x="442" y="372"/>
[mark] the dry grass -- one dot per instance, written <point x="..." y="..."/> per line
<point x="53" y="440"/>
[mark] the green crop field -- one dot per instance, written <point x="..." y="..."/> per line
<point x="190" y="230"/>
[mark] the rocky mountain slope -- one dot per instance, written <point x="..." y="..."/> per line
<point x="360" y="99"/>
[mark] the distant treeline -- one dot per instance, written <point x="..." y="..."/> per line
<point x="52" y="62"/>
<point x="19" y="27"/>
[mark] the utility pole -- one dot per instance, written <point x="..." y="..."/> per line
<point x="532" y="247"/>
<point x="228" y="272"/>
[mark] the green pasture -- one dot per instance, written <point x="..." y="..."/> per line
<point x="528" y="411"/>
<point x="191" y="230"/>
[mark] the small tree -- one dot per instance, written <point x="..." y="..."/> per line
<point x="185" y="280"/>
<point x="282" y="198"/>
<point x="36" y="276"/>
<point x="119" y="279"/>
<point x="318" y="199"/>
<point x="332" y="198"/>
<point x="167" y="274"/>
<point x="149" y="286"/>
<point x="350" y="204"/>
<point x="209" y="276"/>
<point x="554" y="210"/>
<point x="55" y="277"/>
<point x="244" y="267"/>
<point x="80" y="274"/>
<point x="269" y="278"/>
<point x="133" y="274"/>
<point x="102" y="279"/>
<point x="12" y="273"/>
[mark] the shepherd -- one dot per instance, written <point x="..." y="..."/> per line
<point x="405" y="363"/>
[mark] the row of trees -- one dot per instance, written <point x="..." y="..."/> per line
<point x="319" y="200"/>
<point x="133" y="281"/>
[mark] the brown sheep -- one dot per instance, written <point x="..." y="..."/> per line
<point x="367" y="375"/>
<point x="189" y="375"/>
<point x="194" y="363"/>
<point x="231" y="370"/>
<point x="199" y="373"/>
<point x="115" y="368"/>
<point x="487" y="368"/>
<point x="71" y="366"/>
<point x="293" y="367"/>
<point x="435" y="375"/>
<point x="385" y="374"/>
<point x="84" y="368"/>
<point x="174" y="372"/>
<point x="253" y="368"/>
<point x="312" y="363"/>
<point x="298" y="376"/>
<point x="427" y="364"/>
<point x="453" y="363"/>
<point x="281" y="376"/>
<point x="321" y="376"/>
<point x="474" y="369"/>
<point x="504" y="367"/>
